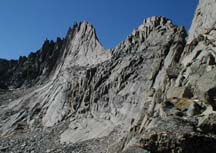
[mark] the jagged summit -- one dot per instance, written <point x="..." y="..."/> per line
<point x="155" y="21"/>
<point x="80" y="47"/>
<point x="37" y="67"/>
<point x="83" y="29"/>
<point x="83" y="47"/>
<point x="152" y="28"/>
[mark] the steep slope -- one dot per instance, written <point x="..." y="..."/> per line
<point x="83" y="47"/>
<point x="154" y="92"/>
<point x="204" y="19"/>
<point x="50" y="100"/>
<point x="200" y="55"/>
<point x="117" y="92"/>
<point x="187" y="106"/>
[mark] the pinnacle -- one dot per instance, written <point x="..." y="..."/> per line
<point x="155" y="21"/>
<point x="81" y="31"/>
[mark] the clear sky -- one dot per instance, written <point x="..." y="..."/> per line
<point x="25" y="24"/>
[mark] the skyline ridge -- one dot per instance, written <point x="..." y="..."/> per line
<point x="28" y="24"/>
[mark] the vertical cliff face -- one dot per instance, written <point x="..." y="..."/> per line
<point x="204" y="19"/>
<point x="154" y="92"/>
<point x="187" y="105"/>
<point x="82" y="52"/>
<point x="199" y="55"/>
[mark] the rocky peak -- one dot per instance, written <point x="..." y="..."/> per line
<point x="155" y="21"/>
<point x="83" y="47"/>
<point x="81" y="30"/>
<point x="153" y="28"/>
<point x="80" y="47"/>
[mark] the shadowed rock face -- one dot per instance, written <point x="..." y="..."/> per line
<point x="80" y="47"/>
<point x="154" y="92"/>
<point x="27" y="71"/>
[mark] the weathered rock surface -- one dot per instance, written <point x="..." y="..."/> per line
<point x="28" y="71"/>
<point x="204" y="19"/>
<point x="154" y="92"/>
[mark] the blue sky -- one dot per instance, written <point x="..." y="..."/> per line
<point x="25" y="24"/>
